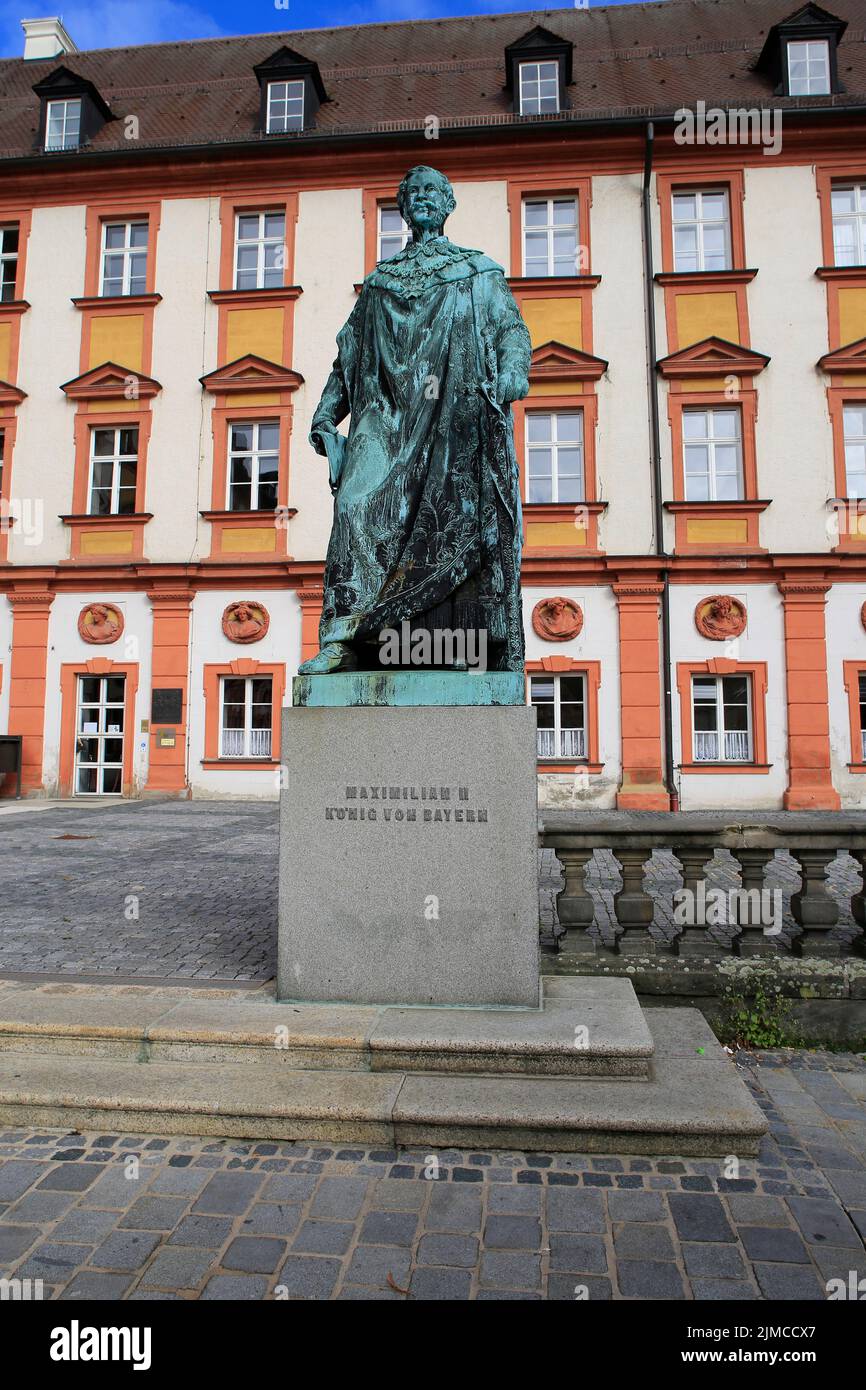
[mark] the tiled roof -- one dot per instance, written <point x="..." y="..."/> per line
<point x="629" y="60"/>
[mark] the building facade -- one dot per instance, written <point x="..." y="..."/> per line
<point x="677" y="193"/>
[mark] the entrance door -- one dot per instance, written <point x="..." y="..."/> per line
<point x="100" y="709"/>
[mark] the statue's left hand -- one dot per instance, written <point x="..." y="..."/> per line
<point x="511" y="386"/>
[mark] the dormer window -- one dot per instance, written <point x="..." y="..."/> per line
<point x="537" y="73"/>
<point x="63" y="128"/>
<point x="539" y="88"/>
<point x="285" y="107"/>
<point x="72" y="112"/>
<point x="292" y="92"/>
<point x="809" y="68"/>
<point x="799" y="55"/>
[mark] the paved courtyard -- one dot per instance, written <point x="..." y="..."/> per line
<point x="188" y="890"/>
<point x="132" y="1217"/>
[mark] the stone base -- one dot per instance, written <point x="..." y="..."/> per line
<point x="235" y="1065"/>
<point x="408" y="855"/>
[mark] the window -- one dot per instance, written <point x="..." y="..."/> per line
<point x="809" y="68"/>
<point x="539" y="88"/>
<point x="561" y="705"/>
<point x="713" y="455"/>
<point x="285" y="107"/>
<point x="63" y="125"/>
<point x="113" y="469"/>
<point x="721" y="715"/>
<point x="854" y="429"/>
<point x="702" y="230"/>
<point x="8" y="262"/>
<point x="393" y="234"/>
<point x="99" y="735"/>
<point x="550" y="230"/>
<point x="260" y="250"/>
<point x="849" y="224"/>
<point x="554" y="456"/>
<point x="245" y="716"/>
<point x="124" y="258"/>
<point x="254" y="461"/>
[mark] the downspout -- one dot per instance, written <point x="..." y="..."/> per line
<point x="655" y="455"/>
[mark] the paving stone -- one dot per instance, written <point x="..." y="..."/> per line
<point x="578" y="1288"/>
<point x="339" y="1198"/>
<point x="324" y="1237"/>
<point x="722" y="1261"/>
<point x="756" y="1210"/>
<point x="440" y="1285"/>
<point x="389" y="1228"/>
<point x="229" y="1194"/>
<point x="512" y="1233"/>
<point x="272" y="1218"/>
<point x="636" y="1206"/>
<point x="655" y="1279"/>
<point x="180" y="1268"/>
<point x="52" y="1261"/>
<point x="515" y="1199"/>
<point x="399" y="1195"/>
<point x="448" y="1249"/>
<point x="179" y="1181"/>
<point x="255" y="1254"/>
<point x="584" y="1254"/>
<point x="16" y="1177"/>
<point x="124" y="1250"/>
<point x="236" y="1287"/>
<point x="510" y="1271"/>
<point x="571" y="1210"/>
<point x="771" y="1243"/>
<point x="69" y="1177"/>
<point x="89" y="1285"/>
<point x="823" y="1222"/>
<point x="643" y="1242"/>
<point x="699" y="1217"/>
<point x="41" y="1207"/>
<point x="154" y="1213"/>
<point x="305" y="1276"/>
<point x="453" y="1209"/>
<point x="719" y="1290"/>
<point x="372" y="1264"/>
<point x="14" y="1240"/>
<point x="789" y="1282"/>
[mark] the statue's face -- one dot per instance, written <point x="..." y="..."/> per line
<point x="427" y="200"/>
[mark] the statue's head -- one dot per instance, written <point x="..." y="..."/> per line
<point x="425" y="198"/>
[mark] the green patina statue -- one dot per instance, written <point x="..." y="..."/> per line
<point x="427" y="521"/>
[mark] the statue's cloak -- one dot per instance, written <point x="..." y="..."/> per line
<point x="427" y="518"/>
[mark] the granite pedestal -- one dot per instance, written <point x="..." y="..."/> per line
<point x="408" y="843"/>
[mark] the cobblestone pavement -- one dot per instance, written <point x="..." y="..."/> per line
<point x="202" y="877"/>
<point x="132" y="1217"/>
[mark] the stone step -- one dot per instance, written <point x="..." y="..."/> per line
<point x="587" y="1027"/>
<point x="692" y="1102"/>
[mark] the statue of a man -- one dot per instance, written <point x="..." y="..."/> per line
<point x="427" y="520"/>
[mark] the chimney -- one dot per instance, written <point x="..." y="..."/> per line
<point x="46" y="38"/>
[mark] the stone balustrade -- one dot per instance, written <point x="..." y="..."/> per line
<point x="821" y="920"/>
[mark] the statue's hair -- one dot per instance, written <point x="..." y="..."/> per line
<point x="424" y="169"/>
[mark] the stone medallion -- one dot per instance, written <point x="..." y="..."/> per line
<point x="557" y="619"/>
<point x="245" y="620"/>
<point x="100" y="623"/>
<point x="720" y="617"/>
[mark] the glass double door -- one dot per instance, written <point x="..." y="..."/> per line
<point x="99" y="734"/>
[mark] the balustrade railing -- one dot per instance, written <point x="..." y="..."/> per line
<point x="747" y="912"/>
<point x="246" y="743"/>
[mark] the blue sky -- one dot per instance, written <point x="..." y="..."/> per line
<point x="114" y="23"/>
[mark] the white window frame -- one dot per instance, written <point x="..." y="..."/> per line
<point x="854" y="441"/>
<point x="66" y="123"/>
<point x="701" y="224"/>
<point x="530" y="76"/>
<point x="115" y="459"/>
<point x="292" y="92"/>
<point x="550" y="228"/>
<point x="578" y="751"/>
<point x="405" y="233"/>
<point x="126" y="252"/>
<point x="247" y="743"/>
<point x="814" y="85"/>
<point x="722" y="734"/>
<point x="857" y="218"/>
<point x="554" y="444"/>
<point x="9" y="258"/>
<point x="103" y="705"/>
<point x="712" y="441"/>
<point x="255" y="454"/>
<point x="260" y="242"/>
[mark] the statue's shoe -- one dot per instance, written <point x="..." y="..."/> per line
<point x="333" y="657"/>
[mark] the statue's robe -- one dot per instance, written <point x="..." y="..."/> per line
<point x="427" y="519"/>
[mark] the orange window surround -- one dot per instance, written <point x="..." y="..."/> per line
<point x="243" y="667"/>
<point x="591" y="672"/>
<point x="722" y="666"/>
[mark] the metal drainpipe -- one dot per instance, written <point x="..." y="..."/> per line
<point x="655" y="452"/>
